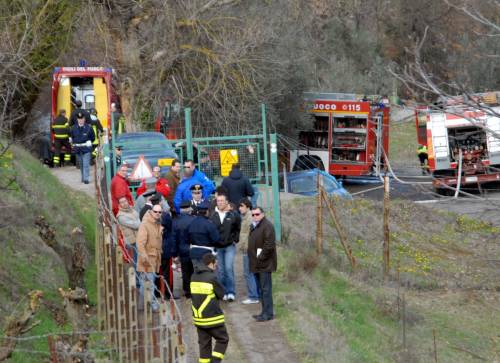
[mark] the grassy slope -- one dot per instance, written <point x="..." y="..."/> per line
<point x="448" y="275"/>
<point x="27" y="263"/>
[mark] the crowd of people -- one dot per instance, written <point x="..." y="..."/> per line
<point x="181" y="219"/>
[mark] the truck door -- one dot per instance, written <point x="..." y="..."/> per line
<point x="440" y="140"/>
<point x="64" y="96"/>
<point x="379" y="142"/>
<point x="493" y="134"/>
<point x="101" y="100"/>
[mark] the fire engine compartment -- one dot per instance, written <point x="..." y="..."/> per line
<point x="349" y="139"/>
<point x="472" y="141"/>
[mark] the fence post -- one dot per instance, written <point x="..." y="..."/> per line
<point x="148" y="321"/>
<point x="132" y="313"/>
<point x="275" y="187"/>
<point x="264" y="137"/>
<point x="189" y="135"/>
<point x="386" y="228"/>
<point x="110" y="298"/>
<point x="120" y="308"/>
<point x="319" y="216"/>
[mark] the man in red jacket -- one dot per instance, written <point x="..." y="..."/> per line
<point x="120" y="188"/>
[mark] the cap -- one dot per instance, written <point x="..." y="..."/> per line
<point x="150" y="183"/>
<point x="185" y="204"/>
<point x="203" y="205"/>
<point x="80" y="115"/>
<point x="156" y="197"/>
<point x="196" y="187"/>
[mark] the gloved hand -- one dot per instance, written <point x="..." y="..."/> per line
<point x="70" y="140"/>
<point x="88" y="143"/>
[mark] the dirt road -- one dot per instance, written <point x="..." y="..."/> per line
<point x="70" y="176"/>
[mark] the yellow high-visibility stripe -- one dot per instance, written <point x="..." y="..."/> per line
<point x="209" y="323"/>
<point x="60" y="126"/>
<point x="61" y="136"/>
<point x="211" y="318"/>
<point x="204" y="360"/>
<point x="202" y="288"/>
<point x="195" y="312"/>
<point x="217" y="355"/>
<point x="67" y="157"/>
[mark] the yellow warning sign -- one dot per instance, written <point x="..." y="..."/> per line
<point x="228" y="157"/>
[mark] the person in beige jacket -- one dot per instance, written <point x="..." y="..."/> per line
<point x="245" y="207"/>
<point x="149" y="247"/>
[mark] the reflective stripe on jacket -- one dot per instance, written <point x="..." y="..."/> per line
<point x="206" y="292"/>
<point x="60" y="127"/>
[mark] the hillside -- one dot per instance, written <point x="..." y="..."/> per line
<point x="444" y="278"/>
<point x="27" y="261"/>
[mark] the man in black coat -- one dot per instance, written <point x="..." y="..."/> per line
<point x="181" y="241"/>
<point x="228" y="223"/>
<point x="263" y="259"/>
<point x="238" y="186"/>
<point x="78" y="109"/>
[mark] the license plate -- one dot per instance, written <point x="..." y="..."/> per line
<point x="165" y="162"/>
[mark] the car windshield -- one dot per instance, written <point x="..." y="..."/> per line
<point x="307" y="184"/>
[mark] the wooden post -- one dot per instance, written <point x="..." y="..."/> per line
<point x="340" y="231"/>
<point x="132" y="314"/>
<point x="435" y="346"/>
<point x="164" y="336"/>
<point x="386" y="229"/>
<point x="148" y="322"/>
<point x="319" y="216"/>
<point x="110" y="298"/>
<point x="120" y="308"/>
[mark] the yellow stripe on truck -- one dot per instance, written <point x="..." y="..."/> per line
<point x="101" y="101"/>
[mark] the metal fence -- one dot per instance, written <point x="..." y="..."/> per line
<point x="136" y="335"/>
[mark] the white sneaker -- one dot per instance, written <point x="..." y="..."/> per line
<point x="250" y="301"/>
<point x="225" y="297"/>
<point x="230" y="297"/>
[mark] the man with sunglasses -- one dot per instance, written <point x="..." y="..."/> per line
<point x="263" y="260"/>
<point x="149" y="249"/>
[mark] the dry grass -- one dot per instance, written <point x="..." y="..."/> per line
<point x="448" y="273"/>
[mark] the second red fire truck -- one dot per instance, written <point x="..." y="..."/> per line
<point x="349" y="135"/>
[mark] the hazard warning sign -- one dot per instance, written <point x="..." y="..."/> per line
<point x="228" y="157"/>
<point x="141" y="169"/>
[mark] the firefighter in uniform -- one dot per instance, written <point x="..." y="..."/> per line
<point x="60" y="129"/>
<point x="208" y="317"/>
<point x="424" y="158"/>
<point x="98" y="130"/>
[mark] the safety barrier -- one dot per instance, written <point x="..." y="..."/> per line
<point x="137" y="335"/>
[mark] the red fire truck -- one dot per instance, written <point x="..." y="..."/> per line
<point x="348" y="137"/>
<point x="461" y="132"/>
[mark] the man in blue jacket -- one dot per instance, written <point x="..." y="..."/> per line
<point x="202" y="234"/>
<point x="192" y="176"/>
<point x="181" y="241"/>
<point x="81" y="139"/>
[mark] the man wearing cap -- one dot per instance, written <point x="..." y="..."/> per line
<point x="202" y="234"/>
<point x="82" y="137"/>
<point x="196" y="195"/>
<point x="181" y="241"/>
<point x="76" y="111"/>
<point x="191" y="177"/>
<point x="120" y="188"/>
<point x="145" y="192"/>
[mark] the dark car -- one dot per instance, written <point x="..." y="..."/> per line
<point x="305" y="183"/>
<point x="156" y="149"/>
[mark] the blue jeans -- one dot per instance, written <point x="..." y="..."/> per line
<point x="225" y="269"/>
<point x="266" y="287"/>
<point x="252" y="288"/>
<point x="84" y="162"/>
<point x="147" y="276"/>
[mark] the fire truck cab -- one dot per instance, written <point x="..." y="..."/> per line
<point x="461" y="132"/>
<point x="349" y="135"/>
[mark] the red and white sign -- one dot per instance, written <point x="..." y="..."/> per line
<point x="142" y="169"/>
<point x="341" y="107"/>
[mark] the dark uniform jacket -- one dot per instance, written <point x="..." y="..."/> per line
<point x="76" y="111"/>
<point x="229" y="229"/>
<point x="262" y="236"/>
<point x="168" y="246"/>
<point x="60" y="127"/>
<point x="206" y="292"/>
<point x="80" y="135"/>
<point x="203" y="233"/>
<point x="180" y="234"/>
<point x="238" y="186"/>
